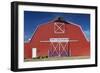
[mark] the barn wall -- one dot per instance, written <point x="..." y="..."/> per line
<point x="46" y="31"/>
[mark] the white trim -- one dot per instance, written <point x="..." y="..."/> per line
<point x="57" y="27"/>
<point x="63" y="41"/>
<point x="59" y="39"/>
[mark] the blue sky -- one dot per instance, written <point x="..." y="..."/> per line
<point x="33" y="19"/>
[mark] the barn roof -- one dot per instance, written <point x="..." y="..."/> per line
<point x="57" y="19"/>
<point x="61" y="19"/>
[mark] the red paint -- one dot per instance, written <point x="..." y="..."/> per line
<point x="46" y="31"/>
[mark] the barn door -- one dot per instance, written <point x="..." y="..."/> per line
<point x="34" y="52"/>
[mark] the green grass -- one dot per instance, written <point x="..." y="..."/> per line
<point x="56" y="58"/>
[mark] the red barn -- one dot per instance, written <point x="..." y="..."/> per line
<point x="57" y="38"/>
